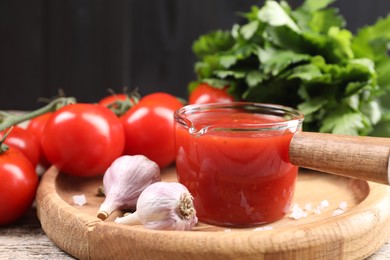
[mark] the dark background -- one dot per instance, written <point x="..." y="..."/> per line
<point x="88" y="46"/>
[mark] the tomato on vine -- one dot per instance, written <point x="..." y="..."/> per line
<point x="204" y="93"/>
<point x="83" y="139"/>
<point x="18" y="184"/>
<point x="149" y="128"/>
<point x="21" y="139"/>
<point x="35" y="127"/>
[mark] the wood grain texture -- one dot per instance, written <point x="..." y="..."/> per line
<point x="356" y="234"/>
<point x="25" y="239"/>
<point x="366" y="158"/>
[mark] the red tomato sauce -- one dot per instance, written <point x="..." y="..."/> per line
<point x="237" y="178"/>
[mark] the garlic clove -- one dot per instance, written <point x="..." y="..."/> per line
<point x="129" y="219"/>
<point x="124" y="181"/>
<point x="164" y="206"/>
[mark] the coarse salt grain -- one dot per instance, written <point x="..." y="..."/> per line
<point x="324" y="204"/>
<point x="317" y="211"/>
<point x="263" y="228"/>
<point x="295" y="207"/>
<point x="343" y="205"/>
<point x="337" y="212"/>
<point x="297" y="212"/>
<point x="79" y="200"/>
<point x="308" y="207"/>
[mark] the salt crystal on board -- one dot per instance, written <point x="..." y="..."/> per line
<point x="337" y="212"/>
<point x="343" y="205"/>
<point x="317" y="211"/>
<point x="308" y="207"/>
<point x="263" y="228"/>
<point x="79" y="200"/>
<point x="297" y="212"/>
<point x="324" y="204"/>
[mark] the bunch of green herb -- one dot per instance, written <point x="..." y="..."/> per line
<point x="304" y="58"/>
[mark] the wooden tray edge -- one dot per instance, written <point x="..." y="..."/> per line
<point x="97" y="239"/>
<point x="58" y="218"/>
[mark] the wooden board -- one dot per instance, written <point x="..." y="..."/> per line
<point x="357" y="233"/>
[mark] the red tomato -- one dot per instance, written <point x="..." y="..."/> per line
<point x="36" y="127"/>
<point x="205" y="93"/>
<point x="83" y="139"/>
<point x="18" y="185"/>
<point x="25" y="142"/>
<point x="106" y="101"/>
<point x="149" y="128"/>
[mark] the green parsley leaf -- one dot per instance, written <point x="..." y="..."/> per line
<point x="273" y="14"/>
<point x="304" y="58"/>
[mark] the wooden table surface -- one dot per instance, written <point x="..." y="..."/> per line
<point x="25" y="239"/>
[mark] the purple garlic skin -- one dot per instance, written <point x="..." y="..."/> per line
<point x="125" y="180"/>
<point x="163" y="206"/>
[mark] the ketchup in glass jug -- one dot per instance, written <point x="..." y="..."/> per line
<point x="234" y="160"/>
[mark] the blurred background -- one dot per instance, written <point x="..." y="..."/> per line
<point x="86" y="47"/>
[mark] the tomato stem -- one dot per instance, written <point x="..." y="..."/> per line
<point x="120" y="107"/>
<point x="10" y="120"/>
<point x="3" y="146"/>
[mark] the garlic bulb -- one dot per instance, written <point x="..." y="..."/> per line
<point x="163" y="206"/>
<point x="124" y="181"/>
